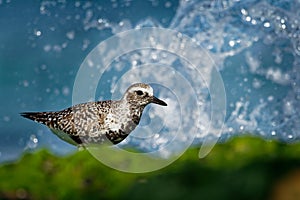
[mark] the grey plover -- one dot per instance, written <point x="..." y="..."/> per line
<point x="100" y="121"/>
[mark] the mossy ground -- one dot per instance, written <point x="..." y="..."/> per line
<point x="242" y="168"/>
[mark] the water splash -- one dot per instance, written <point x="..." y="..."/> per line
<point x="32" y="143"/>
<point x="256" y="44"/>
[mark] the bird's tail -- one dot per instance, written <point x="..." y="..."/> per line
<point x="41" y="117"/>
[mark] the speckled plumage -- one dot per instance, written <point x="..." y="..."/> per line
<point x="97" y="122"/>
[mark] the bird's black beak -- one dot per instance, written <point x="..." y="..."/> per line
<point x="158" y="101"/>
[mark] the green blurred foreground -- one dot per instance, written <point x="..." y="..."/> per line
<point x="243" y="168"/>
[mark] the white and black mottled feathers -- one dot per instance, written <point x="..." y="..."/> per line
<point x="97" y="122"/>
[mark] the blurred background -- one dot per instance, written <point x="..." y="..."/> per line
<point x="255" y="45"/>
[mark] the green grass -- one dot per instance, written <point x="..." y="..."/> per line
<point x="243" y="168"/>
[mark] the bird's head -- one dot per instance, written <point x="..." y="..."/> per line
<point x="141" y="94"/>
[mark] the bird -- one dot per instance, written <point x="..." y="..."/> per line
<point x="100" y="121"/>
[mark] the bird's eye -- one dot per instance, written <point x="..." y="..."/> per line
<point x="139" y="92"/>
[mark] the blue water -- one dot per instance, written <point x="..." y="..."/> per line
<point x="255" y="45"/>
